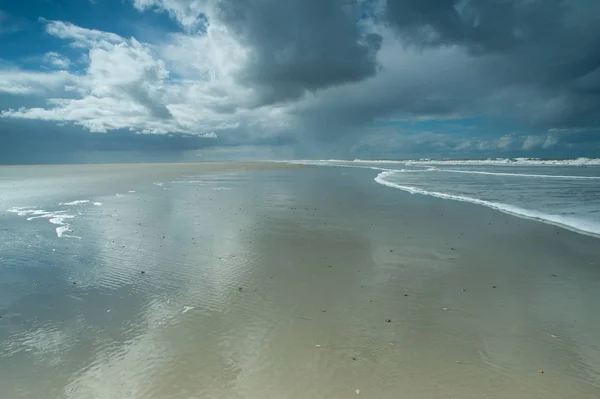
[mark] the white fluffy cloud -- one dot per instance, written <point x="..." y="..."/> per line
<point x="55" y="60"/>
<point x="187" y="12"/>
<point x="81" y="37"/>
<point x="507" y="141"/>
<point x="128" y="84"/>
<point x="532" y="142"/>
<point x="121" y="88"/>
<point x="15" y="81"/>
<point x="525" y="142"/>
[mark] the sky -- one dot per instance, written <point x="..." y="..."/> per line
<point x="187" y="80"/>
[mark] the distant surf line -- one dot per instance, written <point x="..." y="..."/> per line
<point x="477" y="172"/>
<point x="582" y="161"/>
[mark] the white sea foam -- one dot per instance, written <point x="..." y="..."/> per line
<point x="377" y="161"/>
<point x="158" y="184"/>
<point x="578" y="225"/>
<point x="59" y="218"/>
<point x="77" y="202"/>
<point x="61" y="230"/>
<point x="510" y="162"/>
<point x="119" y="195"/>
<point x="97" y="203"/>
<point x="477" y="172"/>
<point x="221" y="188"/>
<point x="131" y="191"/>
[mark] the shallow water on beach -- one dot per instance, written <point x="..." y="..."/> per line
<point x="296" y="283"/>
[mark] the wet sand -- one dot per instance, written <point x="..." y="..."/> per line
<point x="297" y="283"/>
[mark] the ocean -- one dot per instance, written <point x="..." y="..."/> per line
<point x="565" y="193"/>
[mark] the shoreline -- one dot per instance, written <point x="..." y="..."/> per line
<point x="541" y="217"/>
<point x="504" y="208"/>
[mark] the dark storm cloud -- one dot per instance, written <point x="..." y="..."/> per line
<point x="301" y="45"/>
<point x="483" y="25"/>
<point x="548" y="47"/>
<point x="31" y="141"/>
<point x="25" y="141"/>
